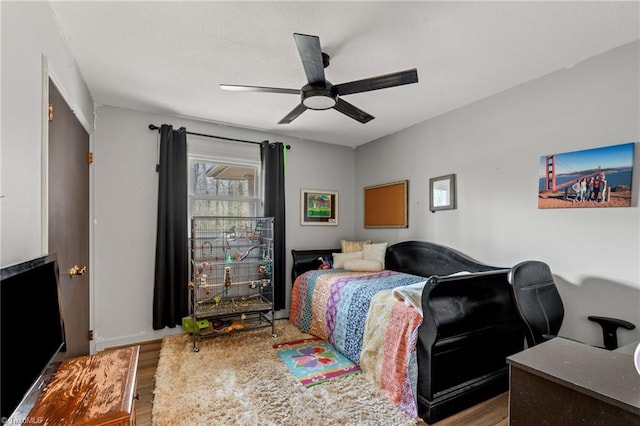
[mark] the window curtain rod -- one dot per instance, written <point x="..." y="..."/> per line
<point x="154" y="127"/>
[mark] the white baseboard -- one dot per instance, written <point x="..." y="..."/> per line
<point x="102" y="343"/>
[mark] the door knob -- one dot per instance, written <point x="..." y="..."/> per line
<point x="77" y="270"/>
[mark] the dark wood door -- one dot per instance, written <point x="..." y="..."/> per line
<point x="69" y="217"/>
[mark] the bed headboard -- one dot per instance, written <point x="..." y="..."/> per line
<point x="412" y="257"/>
<point x="427" y="259"/>
<point x="306" y="260"/>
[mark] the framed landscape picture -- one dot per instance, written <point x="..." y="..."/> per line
<point x="318" y="207"/>
<point x="598" y="177"/>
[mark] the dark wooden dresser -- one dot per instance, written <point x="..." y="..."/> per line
<point x="94" y="390"/>
<point x="563" y="382"/>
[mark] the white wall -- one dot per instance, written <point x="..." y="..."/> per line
<point x="124" y="184"/>
<point x="494" y="147"/>
<point x="126" y="203"/>
<point x="29" y="34"/>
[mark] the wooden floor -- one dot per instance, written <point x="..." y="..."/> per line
<point x="493" y="412"/>
<point x="489" y="413"/>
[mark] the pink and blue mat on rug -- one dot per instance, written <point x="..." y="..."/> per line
<point x="314" y="361"/>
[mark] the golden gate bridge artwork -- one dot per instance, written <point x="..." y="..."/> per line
<point x="550" y="181"/>
<point x="599" y="177"/>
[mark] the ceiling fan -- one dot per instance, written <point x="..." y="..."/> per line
<point x="320" y="94"/>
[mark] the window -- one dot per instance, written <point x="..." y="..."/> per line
<point x="223" y="188"/>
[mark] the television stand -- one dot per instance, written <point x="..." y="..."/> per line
<point x="94" y="389"/>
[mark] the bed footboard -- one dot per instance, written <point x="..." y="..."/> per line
<point x="470" y="327"/>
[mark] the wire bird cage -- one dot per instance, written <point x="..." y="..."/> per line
<point x="232" y="269"/>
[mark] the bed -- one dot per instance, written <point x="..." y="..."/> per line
<point x="435" y="326"/>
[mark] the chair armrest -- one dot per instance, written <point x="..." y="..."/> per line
<point x="613" y="321"/>
<point x="610" y="329"/>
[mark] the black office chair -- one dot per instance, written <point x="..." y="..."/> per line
<point x="540" y="305"/>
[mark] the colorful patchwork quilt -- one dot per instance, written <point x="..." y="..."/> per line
<point x="360" y="315"/>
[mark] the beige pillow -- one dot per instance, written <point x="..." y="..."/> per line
<point x="362" y="265"/>
<point x="340" y="258"/>
<point x="375" y="252"/>
<point x="351" y="246"/>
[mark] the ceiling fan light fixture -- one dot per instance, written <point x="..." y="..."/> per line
<point x="318" y="98"/>
<point x="319" y="102"/>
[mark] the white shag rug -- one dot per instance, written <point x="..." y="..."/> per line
<point x="239" y="379"/>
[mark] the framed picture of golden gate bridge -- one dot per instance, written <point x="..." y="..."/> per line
<point x="599" y="177"/>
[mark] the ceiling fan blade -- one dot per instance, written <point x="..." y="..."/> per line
<point x="311" y="55"/>
<point x="238" y="88"/>
<point x="293" y="114"/>
<point x="356" y="113"/>
<point x="380" y="82"/>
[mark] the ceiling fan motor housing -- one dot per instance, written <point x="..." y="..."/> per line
<point x="318" y="97"/>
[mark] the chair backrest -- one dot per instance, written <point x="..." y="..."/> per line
<point x="537" y="299"/>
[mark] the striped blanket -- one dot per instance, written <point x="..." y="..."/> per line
<point x="358" y="313"/>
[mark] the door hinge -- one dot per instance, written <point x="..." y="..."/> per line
<point x="90" y="157"/>
<point x="50" y="112"/>
<point x="90" y="334"/>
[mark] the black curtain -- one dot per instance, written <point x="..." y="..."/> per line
<point x="170" y="294"/>
<point x="273" y="164"/>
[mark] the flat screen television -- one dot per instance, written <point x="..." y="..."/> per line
<point x="32" y="335"/>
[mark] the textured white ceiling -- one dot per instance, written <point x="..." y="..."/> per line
<point x="170" y="56"/>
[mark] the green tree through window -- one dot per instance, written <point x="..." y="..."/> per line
<point x="223" y="189"/>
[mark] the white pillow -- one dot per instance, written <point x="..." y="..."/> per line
<point x="340" y="258"/>
<point x="375" y="252"/>
<point x="362" y="265"/>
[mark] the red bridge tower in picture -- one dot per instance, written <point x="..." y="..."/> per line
<point x="550" y="176"/>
